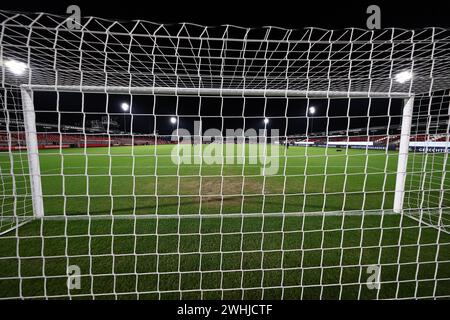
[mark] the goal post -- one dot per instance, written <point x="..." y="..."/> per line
<point x="29" y="119"/>
<point x="403" y="151"/>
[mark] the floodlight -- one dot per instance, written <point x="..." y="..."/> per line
<point x="403" y="76"/>
<point x="16" y="67"/>
<point x="125" y="106"/>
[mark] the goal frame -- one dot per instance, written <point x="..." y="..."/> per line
<point x="29" y="118"/>
<point x="32" y="142"/>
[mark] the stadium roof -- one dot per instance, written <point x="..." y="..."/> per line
<point x="144" y="57"/>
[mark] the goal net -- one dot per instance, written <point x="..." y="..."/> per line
<point x="16" y="202"/>
<point x="140" y="160"/>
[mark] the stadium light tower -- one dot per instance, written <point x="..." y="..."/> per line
<point x="312" y="111"/>
<point x="16" y="67"/>
<point x="125" y="107"/>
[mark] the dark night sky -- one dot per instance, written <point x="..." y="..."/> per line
<point x="215" y="112"/>
<point x="286" y="14"/>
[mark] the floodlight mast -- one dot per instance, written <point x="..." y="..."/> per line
<point x="125" y="107"/>
<point x="312" y="111"/>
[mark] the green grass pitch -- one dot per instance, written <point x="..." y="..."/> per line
<point x="159" y="230"/>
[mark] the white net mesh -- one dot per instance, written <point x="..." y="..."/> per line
<point x="181" y="161"/>
<point x="427" y="182"/>
<point x="16" y="206"/>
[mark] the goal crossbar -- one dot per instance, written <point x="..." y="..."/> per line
<point x="220" y="91"/>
